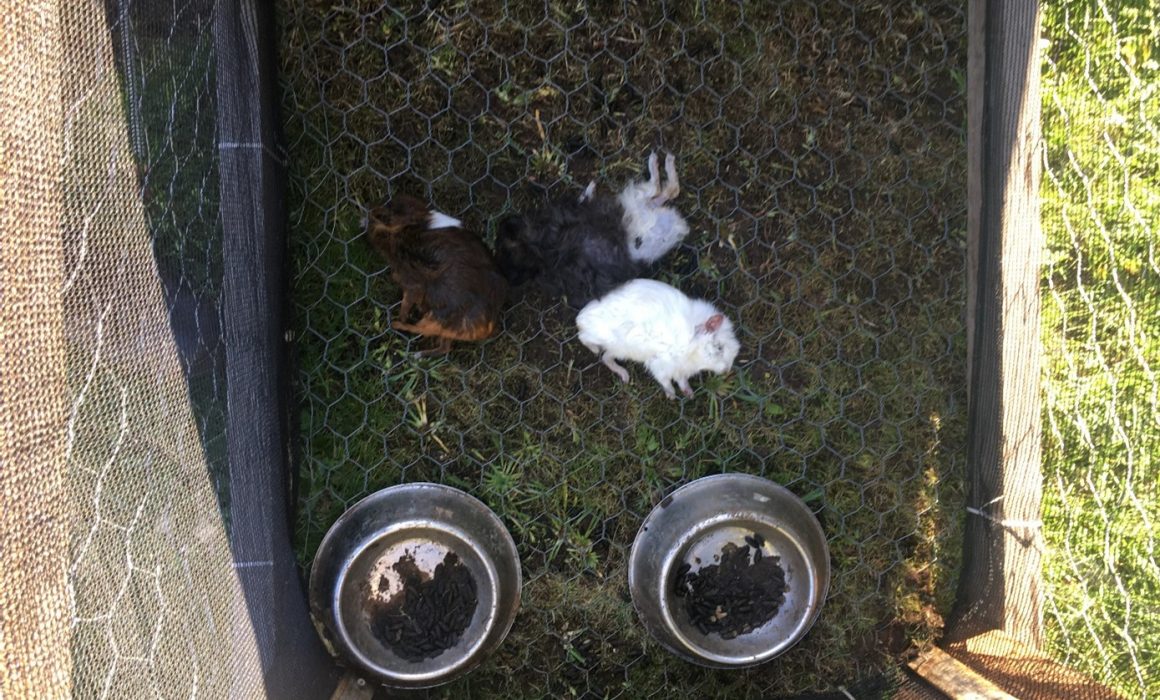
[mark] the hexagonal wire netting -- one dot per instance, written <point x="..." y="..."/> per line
<point x="820" y="147"/>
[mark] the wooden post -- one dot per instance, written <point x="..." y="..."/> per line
<point x="1000" y="582"/>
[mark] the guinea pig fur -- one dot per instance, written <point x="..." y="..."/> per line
<point x="448" y="276"/>
<point x="582" y="248"/>
<point x="570" y="248"/>
<point x="674" y="336"/>
<point x="651" y="228"/>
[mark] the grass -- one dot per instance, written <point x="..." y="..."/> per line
<point x="1101" y="336"/>
<point x="823" y="163"/>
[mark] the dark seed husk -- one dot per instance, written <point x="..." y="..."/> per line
<point x="430" y="614"/>
<point x="736" y="595"/>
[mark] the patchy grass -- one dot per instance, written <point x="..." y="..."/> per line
<point x="1101" y="336"/>
<point x="822" y="158"/>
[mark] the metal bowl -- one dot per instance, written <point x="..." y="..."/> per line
<point x="695" y="522"/>
<point x="353" y="576"/>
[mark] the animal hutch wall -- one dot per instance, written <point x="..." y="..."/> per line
<point x="199" y="374"/>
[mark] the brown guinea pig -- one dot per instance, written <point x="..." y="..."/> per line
<point x="448" y="276"/>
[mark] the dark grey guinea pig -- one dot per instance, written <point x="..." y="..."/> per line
<point x="569" y="248"/>
<point x="583" y="248"/>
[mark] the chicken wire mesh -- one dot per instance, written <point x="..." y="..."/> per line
<point x="146" y="403"/>
<point x="1101" y="212"/>
<point x="821" y="150"/>
<point x="173" y="586"/>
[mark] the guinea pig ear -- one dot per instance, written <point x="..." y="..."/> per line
<point x="711" y="324"/>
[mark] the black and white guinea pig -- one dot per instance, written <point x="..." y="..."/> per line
<point x="674" y="336"/>
<point x="651" y="228"/>
<point x="583" y="248"/>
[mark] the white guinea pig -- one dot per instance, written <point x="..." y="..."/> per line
<point x="650" y="322"/>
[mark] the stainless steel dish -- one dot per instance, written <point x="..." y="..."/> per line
<point x="353" y="576"/>
<point x="694" y="523"/>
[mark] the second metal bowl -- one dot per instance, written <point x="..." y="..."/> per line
<point x="692" y="525"/>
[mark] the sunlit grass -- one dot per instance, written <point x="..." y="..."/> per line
<point x="1101" y="336"/>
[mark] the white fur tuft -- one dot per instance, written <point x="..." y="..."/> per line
<point x="588" y="193"/>
<point x="441" y="220"/>
<point x="651" y="228"/>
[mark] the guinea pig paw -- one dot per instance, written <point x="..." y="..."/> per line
<point x="589" y="192"/>
<point x="616" y="368"/>
<point x="440" y="348"/>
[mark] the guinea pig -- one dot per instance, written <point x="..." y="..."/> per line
<point x="448" y="276"/>
<point x="569" y="248"/>
<point x="650" y="322"/>
<point x="581" y="248"/>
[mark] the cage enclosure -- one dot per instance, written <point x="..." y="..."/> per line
<point x="200" y="372"/>
<point x="822" y="159"/>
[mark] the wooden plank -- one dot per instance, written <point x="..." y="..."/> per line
<point x="999" y="644"/>
<point x="955" y="679"/>
<point x="351" y="687"/>
<point x="1023" y="671"/>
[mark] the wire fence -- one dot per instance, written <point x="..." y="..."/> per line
<point x="1101" y="217"/>
<point x="151" y="591"/>
<point x="821" y="152"/>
